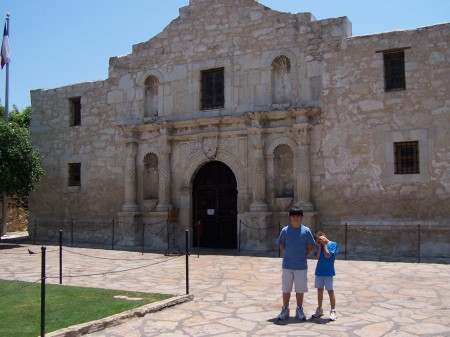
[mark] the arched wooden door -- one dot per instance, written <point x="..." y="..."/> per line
<point x="215" y="207"/>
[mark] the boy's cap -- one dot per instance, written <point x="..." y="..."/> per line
<point x="295" y="211"/>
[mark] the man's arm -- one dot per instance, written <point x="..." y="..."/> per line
<point x="309" y="249"/>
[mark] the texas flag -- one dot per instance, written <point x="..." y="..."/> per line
<point x="5" y="47"/>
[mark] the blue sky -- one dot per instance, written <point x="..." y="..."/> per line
<point x="61" y="42"/>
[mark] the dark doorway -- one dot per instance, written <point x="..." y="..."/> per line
<point x="215" y="207"/>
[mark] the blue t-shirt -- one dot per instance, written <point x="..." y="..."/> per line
<point x="295" y="241"/>
<point x="325" y="267"/>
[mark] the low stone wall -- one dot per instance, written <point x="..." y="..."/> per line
<point x="393" y="241"/>
<point x="357" y="240"/>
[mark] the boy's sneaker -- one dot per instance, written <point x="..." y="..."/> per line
<point x="299" y="313"/>
<point x="318" y="313"/>
<point x="333" y="315"/>
<point x="283" y="314"/>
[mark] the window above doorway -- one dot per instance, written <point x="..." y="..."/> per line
<point x="212" y="89"/>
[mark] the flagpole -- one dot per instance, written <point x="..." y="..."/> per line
<point x="5" y="202"/>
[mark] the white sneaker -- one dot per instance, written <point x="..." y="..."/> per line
<point x="318" y="313"/>
<point x="283" y="314"/>
<point x="299" y="314"/>
<point x="333" y="316"/>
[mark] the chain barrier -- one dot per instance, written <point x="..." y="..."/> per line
<point x="71" y="226"/>
<point x="259" y="228"/>
<point x="101" y="258"/>
<point x="153" y="224"/>
<point x="88" y="229"/>
<point x="114" y="272"/>
<point x="158" y="261"/>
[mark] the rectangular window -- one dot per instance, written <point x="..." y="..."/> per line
<point x="75" y="174"/>
<point x="394" y="70"/>
<point x="75" y="111"/>
<point x="212" y="87"/>
<point x="406" y="156"/>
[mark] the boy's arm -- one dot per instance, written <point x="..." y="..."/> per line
<point x="327" y="252"/>
<point x="318" y="251"/>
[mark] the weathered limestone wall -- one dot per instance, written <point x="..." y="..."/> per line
<point x="352" y="151"/>
<point x="94" y="144"/>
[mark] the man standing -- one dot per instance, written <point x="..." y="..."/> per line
<point x="296" y="242"/>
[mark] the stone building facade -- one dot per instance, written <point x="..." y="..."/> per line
<point x="236" y="112"/>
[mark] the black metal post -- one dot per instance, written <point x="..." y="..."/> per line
<point x="60" y="256"/>
<point x="198" y="238"/>
<point x="187" y="261"/>
<point x="43" y="292"/>
<point x="112" y="235"/>
<point x="34" y="235"/>
<point x="418" y="243"/>
<point x="279" y="231"/>
<point x="143" y="237"/>
<point x="239" y="236"/>
<point x="346" y="228"/>
<point x="71" y="233"/>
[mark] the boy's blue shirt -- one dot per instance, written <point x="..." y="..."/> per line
<point x="295" y="241"/>
<point x="325" y="267"/>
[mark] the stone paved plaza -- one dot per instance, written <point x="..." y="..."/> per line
<point x="240" y="295"/>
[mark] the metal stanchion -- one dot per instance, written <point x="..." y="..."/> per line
<point x="112" y="235"/>
<point x="187" y="261"/>
<point x="34" y="234"/>
<point x="143" y="237"/>
<point x="43" y="292"/>
<point x="345" y="242"/>
<point x="71" y="234"/>
<point x="60" y="256"/>
<point x="239" y="236"/>
<point x="418" y="243"/>
<point x="279" y="231"/>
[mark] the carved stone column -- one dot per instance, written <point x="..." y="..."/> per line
<point x="130" y="178"/>
<point x="270" y="176"/>
<point x="302" y="168"/>
<point x="259" y="174"/>
<point x="164" y="172"/>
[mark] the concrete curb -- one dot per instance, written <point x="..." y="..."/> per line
<point x="93" y="326"/>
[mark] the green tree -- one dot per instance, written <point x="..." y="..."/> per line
<point x="20" y="165"/>
<point x="22" y="118"/>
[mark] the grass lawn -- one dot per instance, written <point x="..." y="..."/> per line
<point x="20" y="306"/>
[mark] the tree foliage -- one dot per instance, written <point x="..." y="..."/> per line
<point x="20" y="165"/>
<point x="22" y="119"/>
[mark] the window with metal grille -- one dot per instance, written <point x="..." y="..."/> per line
<point x="394" y="70"/>
<point x="406" y="155"/>
<point x="75" y="111"/>
<point x="212" y="95"/>
<point x="75" y="174"/>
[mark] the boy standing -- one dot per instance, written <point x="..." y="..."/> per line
<point x="296" y="242"/>
<point x="326" y="254"/>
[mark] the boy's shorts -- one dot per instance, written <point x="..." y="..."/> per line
<point x="324" y="282"/>
<point x="297" y="277"/>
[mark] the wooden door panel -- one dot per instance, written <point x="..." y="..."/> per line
<point x="215" y="206"/>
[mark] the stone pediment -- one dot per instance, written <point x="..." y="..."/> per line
<point x="200" y="17"/>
